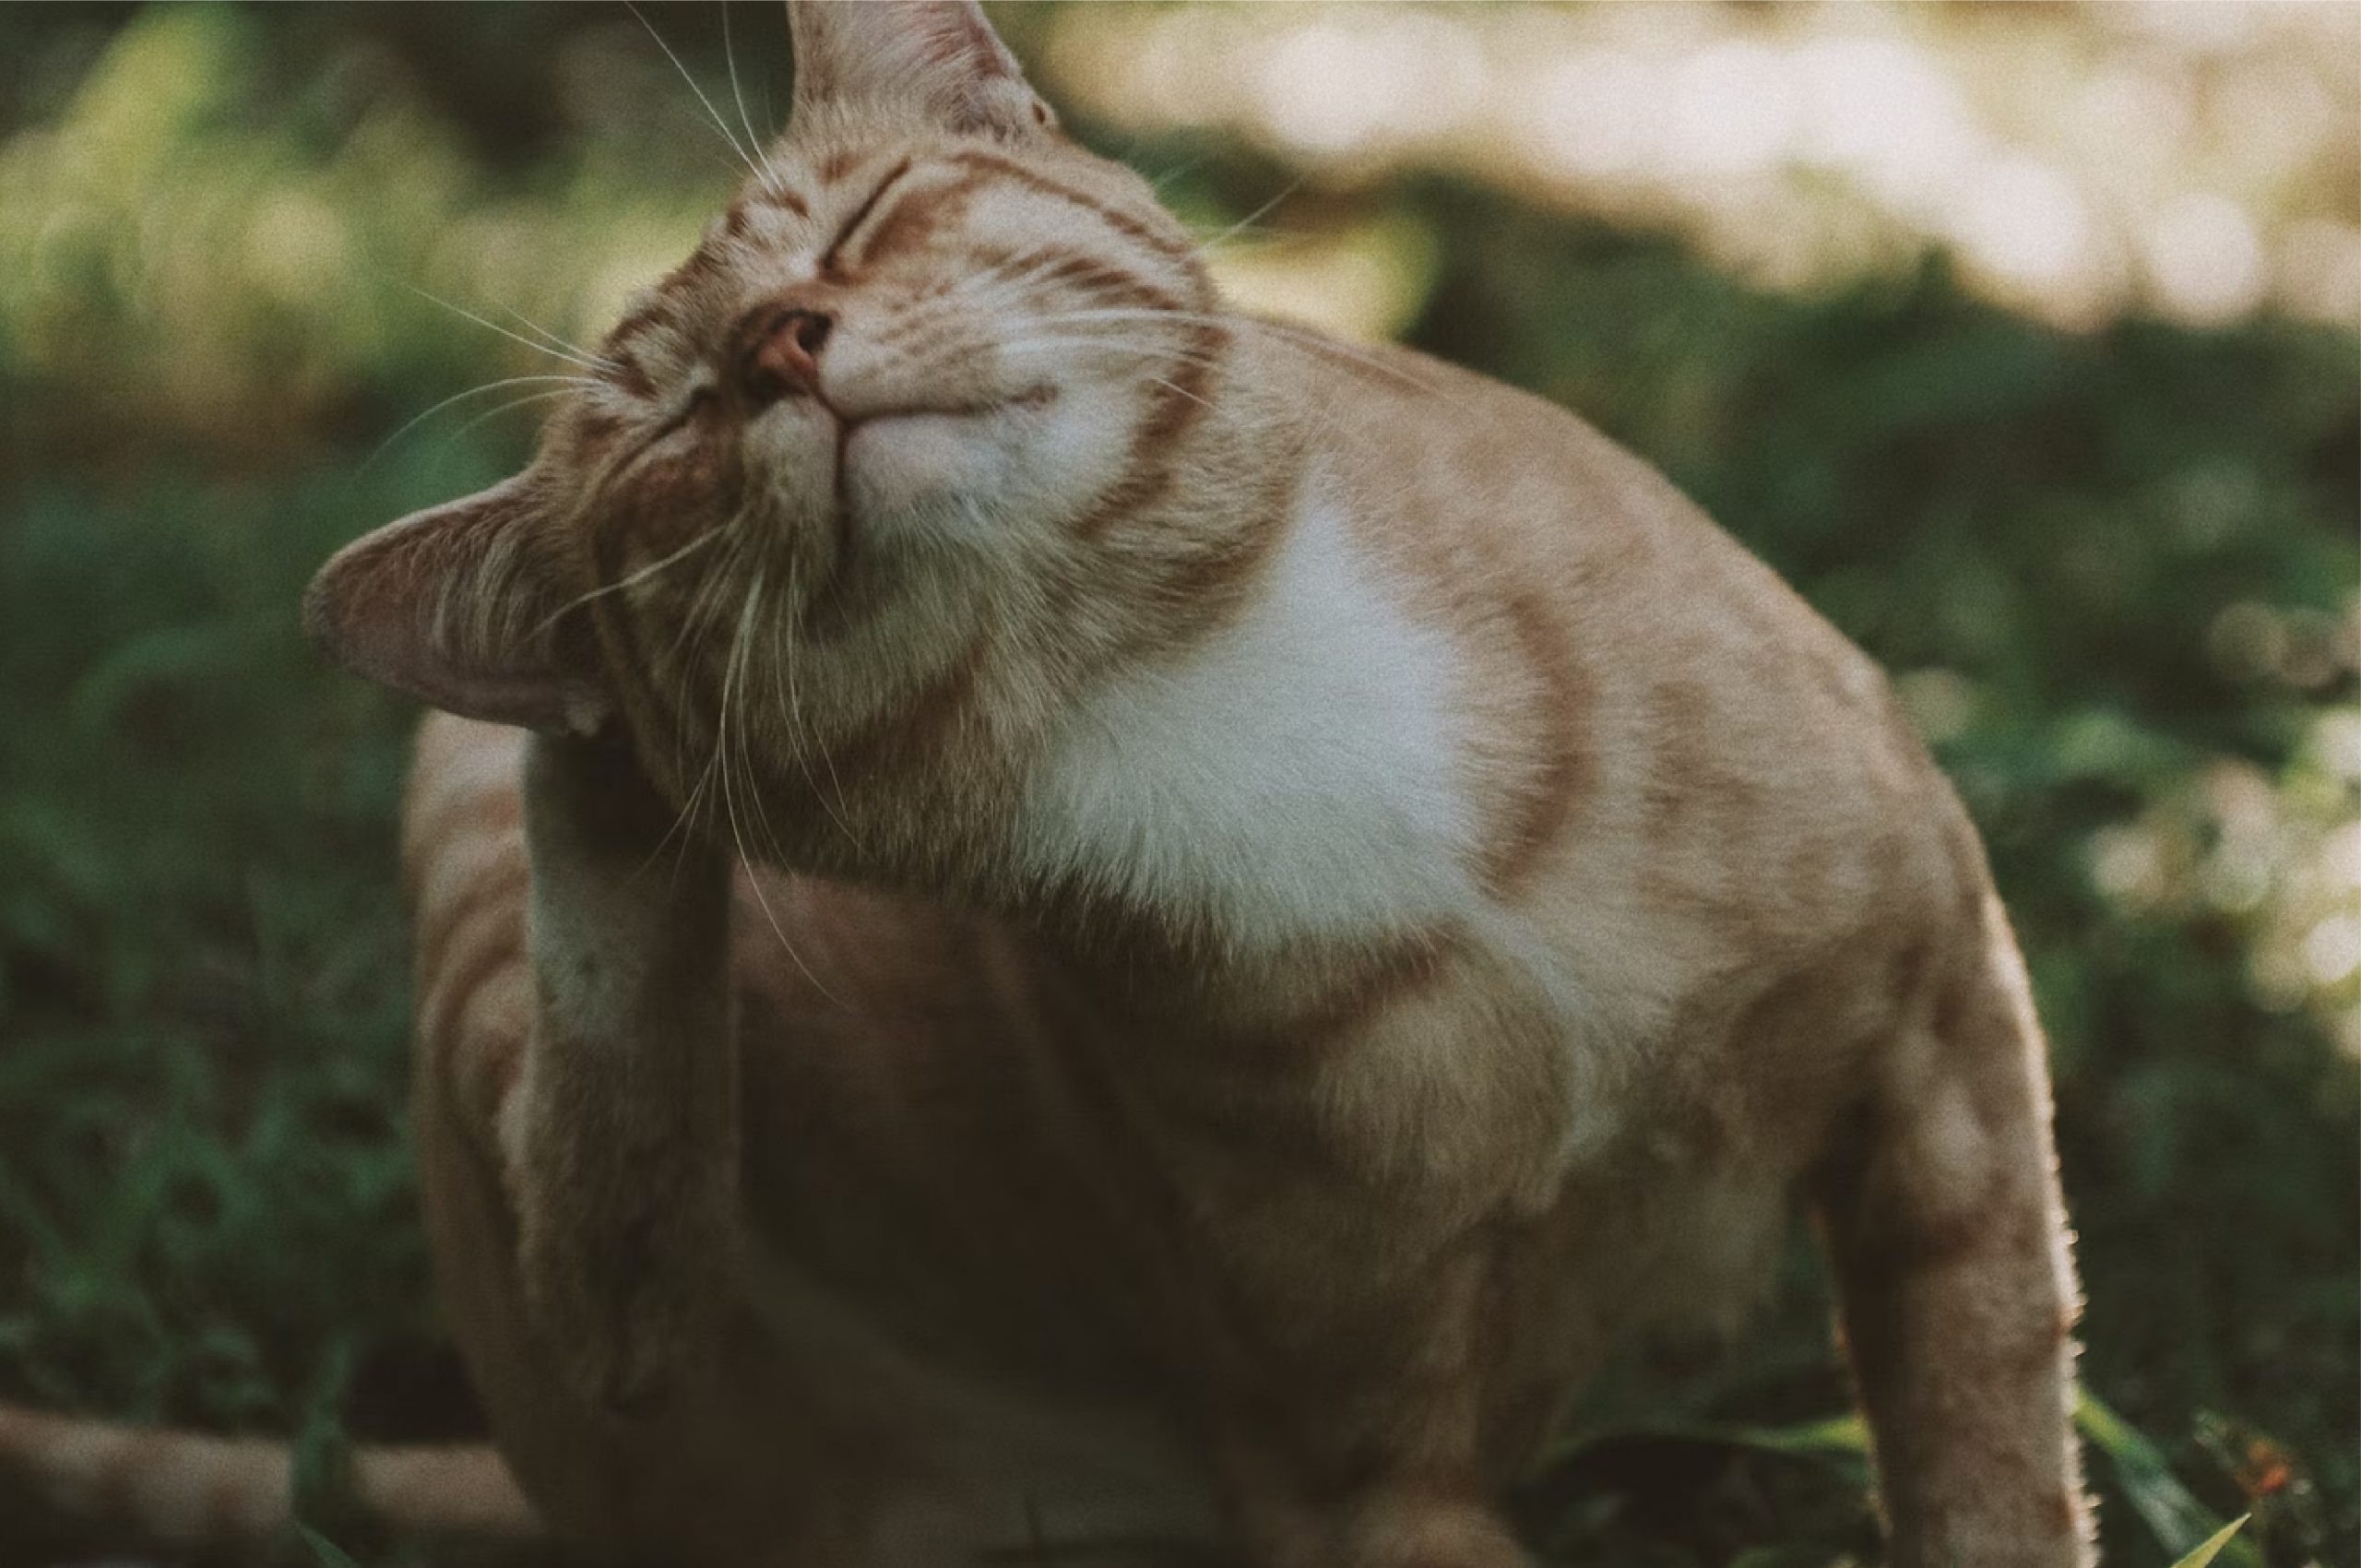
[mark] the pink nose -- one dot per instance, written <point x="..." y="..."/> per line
<point x="781" y="357"/>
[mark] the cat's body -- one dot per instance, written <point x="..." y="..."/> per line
<point x="1293" y="900"/>
<point x="1693" y="925"/>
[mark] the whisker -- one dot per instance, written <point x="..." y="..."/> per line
<point x="1176" y="387"/>
<point x="1205" y="246"/>
<point x="1177" y="353"/>
<point x="509" y="408"/>
<point x="717" y="123"/>
<point x="566" y="344"/>
<point x="729" y="61"/>
<point x="742" y="646"/>
<point x="1187" y="166"/>
<point x="786" y="659"/>
<point x="708" y="584"/>
<point x="387" y="444"/>
<point x="1299" y="337"/>
<point x="629" y="581"/>
<point x="588" y="365"/>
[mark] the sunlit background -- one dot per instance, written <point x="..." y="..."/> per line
<point x="2021" y="338"/>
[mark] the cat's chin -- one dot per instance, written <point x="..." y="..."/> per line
<point x="903" y="469"/>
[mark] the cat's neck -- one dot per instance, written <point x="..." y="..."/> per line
<point x="1286" y="782"/>
<point x="1256" y="770"/>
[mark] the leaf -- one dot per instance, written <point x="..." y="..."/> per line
<point x="1839" y="1441"/>
<point x="2176" y="1519"/>
<point x="330" y="1554"/>
<point x="2213" y="1544"/>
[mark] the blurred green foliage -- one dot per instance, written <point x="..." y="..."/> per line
<point x="2114" y="573"/>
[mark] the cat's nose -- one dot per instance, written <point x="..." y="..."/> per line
<point x="779" y="354"/>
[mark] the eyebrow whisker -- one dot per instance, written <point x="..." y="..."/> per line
<point x="718" y="123"/>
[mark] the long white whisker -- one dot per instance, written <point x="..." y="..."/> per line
<point x="509" y="408"/>
<point x="708" y="590"/>
<point x="566" y="344"/>
<point x="588" y="365"/>
<point x="1176" y="387"/>
<point x="628" y="581"/>
<point x="740" y="648"/>
<point x="417" y="419"/>
<point x="729" y="60"/>
<point x="1178" y="353"/>
<point x="1205" y="246"/>
<point x="785" y="657"/>
<point x="994" y="287"/>
<point x="719" y="124"/>
<point x="1299" y="337"/>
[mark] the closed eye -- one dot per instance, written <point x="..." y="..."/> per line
<point x="698" y="401"/>
<point x="830" y="264"/>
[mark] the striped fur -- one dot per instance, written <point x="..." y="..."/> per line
<point x="83" y="1487"/>
<point x="1127" y="925"/>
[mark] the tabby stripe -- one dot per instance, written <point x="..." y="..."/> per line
<point x="1343" y="1005"/>
<point x="1085" y="273"/>
<point x="1121" y="222"/>
<point x="903" y="729"/>
<point x="912" y="221"/>
<point x="492" y="892"/>
<point x="1199" y="591"/>
<point x="1540" y="807"/>
<point x="1173" y="404"/>
<point x="780" y="196"/>
<point x="628" y="374"/>
<point x="447" y="1000"/>
<point x="599" y="427"/>
<point x="655" y="311"/>
<point x="483" y="809"/>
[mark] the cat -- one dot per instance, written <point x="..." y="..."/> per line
<point x="1051" y="915"/>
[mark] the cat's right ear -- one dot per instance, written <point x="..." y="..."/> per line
<point x="939" y="59"/>
<point x="464" y="606"/>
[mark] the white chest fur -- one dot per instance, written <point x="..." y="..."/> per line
<point x="1291" y="775"/>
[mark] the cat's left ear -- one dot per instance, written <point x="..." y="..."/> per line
<point x="466" y="607"/>
<point x="940" y="58"/>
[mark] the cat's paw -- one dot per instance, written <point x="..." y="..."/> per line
<point x="630" y="1307"/>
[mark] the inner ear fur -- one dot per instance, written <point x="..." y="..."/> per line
<point x="467" y="607"/>
<point x="940" y="58"/>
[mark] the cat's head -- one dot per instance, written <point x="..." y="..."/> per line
<point x="914" y="389"/>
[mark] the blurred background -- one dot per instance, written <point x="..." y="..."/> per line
<point x="2022" y="338"/>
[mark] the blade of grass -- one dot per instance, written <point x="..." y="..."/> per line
<point x="2213" y="1544"/>
<point x="2180" y="1524"/>
<point x="329" y="1554"/>
<point x="1842" y="1441"/>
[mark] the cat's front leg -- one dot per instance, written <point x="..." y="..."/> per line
<point x="622" y="1141"/>
<point x="1944" y="1218"/>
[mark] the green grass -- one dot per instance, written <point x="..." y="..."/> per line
<point x="2114" y="572"/>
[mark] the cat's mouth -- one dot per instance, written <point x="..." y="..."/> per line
<point x="893" y="455"/>
<point x="849" y="420"/>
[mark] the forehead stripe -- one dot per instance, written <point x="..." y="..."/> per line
<point x="1121" y="222"/>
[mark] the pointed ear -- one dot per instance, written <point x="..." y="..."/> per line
<point x="464" y="607"/>
<point x="938" y="56"/>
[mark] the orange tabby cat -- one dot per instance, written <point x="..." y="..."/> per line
<point x="1122" y="928"/>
